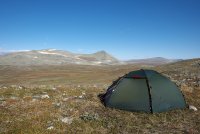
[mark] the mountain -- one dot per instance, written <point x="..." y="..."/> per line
<point x="56" y="57"/>
<point x="59" y="57"/>
<point x="153" y="61"/>
<point x="2" y="53"/>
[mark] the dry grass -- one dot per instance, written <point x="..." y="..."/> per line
<point x="72" y="92"/>
<point x="61" y="75"/>
<point x="21" y="113"/>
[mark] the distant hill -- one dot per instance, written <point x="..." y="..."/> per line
<point x="189" y="64"/>
<point x="153" y="61"/>
<point x="2" y="53"/>
<point x="60" y="57"/>
<point x="56" y="57"/>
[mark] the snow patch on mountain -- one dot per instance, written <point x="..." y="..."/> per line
<point x="45" y="52"/>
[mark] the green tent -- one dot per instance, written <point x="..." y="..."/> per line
<point x="144" y="90"/>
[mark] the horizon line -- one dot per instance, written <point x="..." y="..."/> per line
<point x="121" y="59"/>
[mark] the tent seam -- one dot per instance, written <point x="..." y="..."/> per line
<point x="149" y="91"/>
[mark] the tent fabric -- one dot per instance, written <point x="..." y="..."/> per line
<point x="144" y="90"/>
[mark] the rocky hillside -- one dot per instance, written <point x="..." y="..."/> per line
<point x="60" y="57"/>
<point x="56" y="57"/>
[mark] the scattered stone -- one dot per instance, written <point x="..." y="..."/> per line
<point x="34" y="100"/>
<point x="65" y="99"/>
<point x="2" y="99"/>
<point x="67" y="120"/>
<point x="178" y="83"/>
<point x="183" y="80"/>
<point x="192" y="108"/>
<point x="42" y="86"/>
<point x="64" y="94"/>
<point x="46" y="96"/>
<point x="2" y="103"/>
<point x="80" y="97"/>
<point x="13" y="86"/>
<point x="54" y="88"/>
<point x="50" y="128"/>
<point x="57" y="104"/>
<point x="88" y="117"/>
<point x="14" y="98"/>
<point x="50" y="125"/>
<point x="36" y="97"/>
<point x="83" y="93"/>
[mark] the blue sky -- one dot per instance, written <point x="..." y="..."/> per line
<point x="128" y="29"/>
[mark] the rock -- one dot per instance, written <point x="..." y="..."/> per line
<point x="34" y="100"/>
<point x="46" y="96"/>
<point x="13" y="86"/>
<point x="67" y="120"/>
<point x="178" y="83"/>
<point x="53" y="88"/>
<point x="50" y="125"/>
<point x="65" y="99"/>
<point x="184" y="80"/>
<point x="14" y="98"/>
<point x="2" y="99"/>
<point x="57" y="105"/>
<point x="50" y="128"/>
<point x="36" y="97"/>
<point x="89" y="116"/>
<point x="64" y="94"/>
<point x="2" y="103"/>
<point x="83" y="93"/>
<point x="80" y="97"/>
<point x="192" y="108"/>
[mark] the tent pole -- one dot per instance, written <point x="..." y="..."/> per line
<point x="149" y="92"/>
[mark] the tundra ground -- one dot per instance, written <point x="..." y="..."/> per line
<point x="64" y="100"/>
